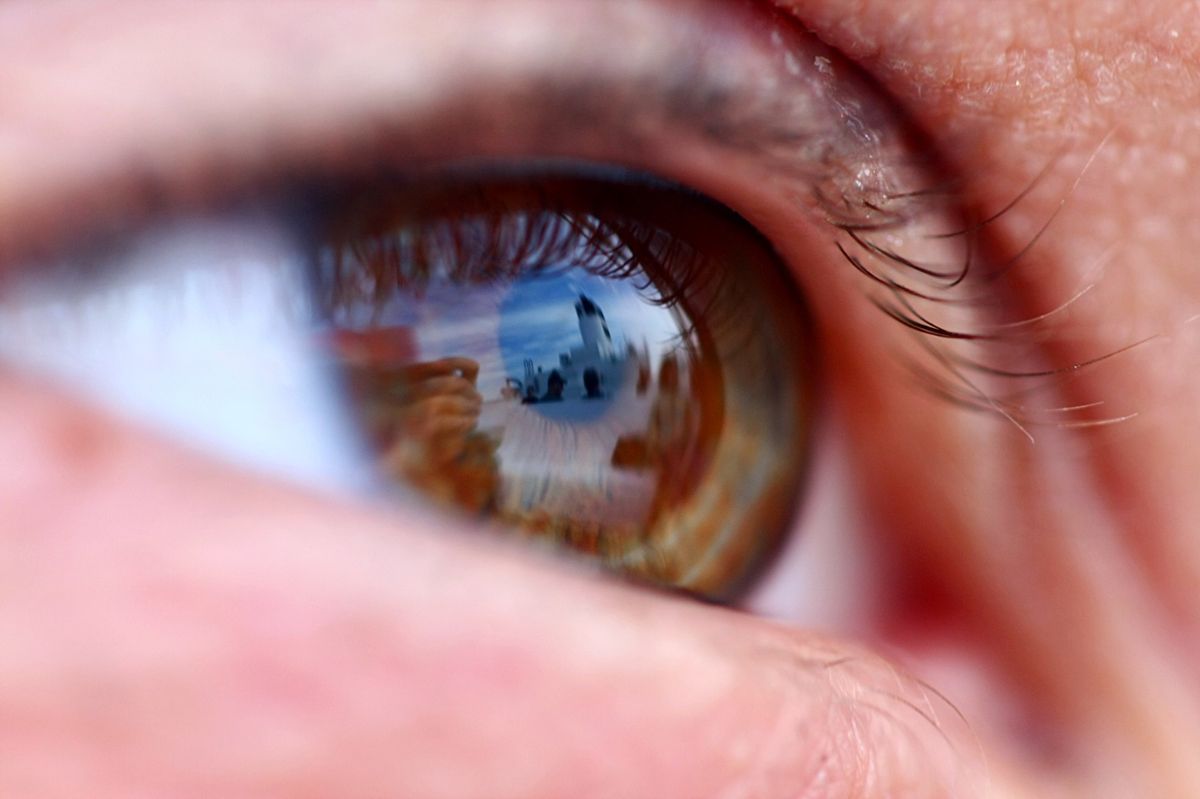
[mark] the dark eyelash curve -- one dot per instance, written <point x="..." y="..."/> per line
<point x="980" y="365"/>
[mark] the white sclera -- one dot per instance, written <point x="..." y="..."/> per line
<point x="202" y="329"/>
<point x="826" y="575"/>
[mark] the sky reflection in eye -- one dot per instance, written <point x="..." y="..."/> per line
<point x="553" y="405"/>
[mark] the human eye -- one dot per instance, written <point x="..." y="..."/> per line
<point x="615" y="366"/>
<point x="771" y="124"/>
<point x="774" y="126"/>
<point x="276" y="232"/>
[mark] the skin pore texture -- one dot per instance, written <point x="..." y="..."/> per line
<point x="173" y="627"/>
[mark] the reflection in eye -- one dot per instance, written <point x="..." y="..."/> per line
<point x="618" y="368"/>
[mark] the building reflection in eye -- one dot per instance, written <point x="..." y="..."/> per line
<point x="593" y="364"/>
<point x="554" y="403"/>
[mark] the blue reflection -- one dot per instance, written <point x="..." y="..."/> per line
<point x="560" y="352"/>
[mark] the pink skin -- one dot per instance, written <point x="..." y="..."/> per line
<point x="175" y="628"/>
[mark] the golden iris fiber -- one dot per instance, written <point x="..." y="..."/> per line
<point x="619" y="368"/>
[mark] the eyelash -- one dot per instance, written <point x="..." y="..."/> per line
<point x="979" y="379"/>
<point x="597" y="238"/>
<point x="613" y="235"/>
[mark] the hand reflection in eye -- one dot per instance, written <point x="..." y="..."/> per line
<point x="424" y="433"/>
<point x="175" y="626"/>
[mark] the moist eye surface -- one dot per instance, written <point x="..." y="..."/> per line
<point x="620" y="368"/>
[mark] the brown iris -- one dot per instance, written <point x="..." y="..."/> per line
<point x="617" y="367"/>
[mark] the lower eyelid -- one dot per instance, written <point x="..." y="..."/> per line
<point x="292" y="592"/>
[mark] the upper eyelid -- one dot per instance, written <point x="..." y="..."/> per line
<point x="182" y="109"/>
<point x="356" y="89"/>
